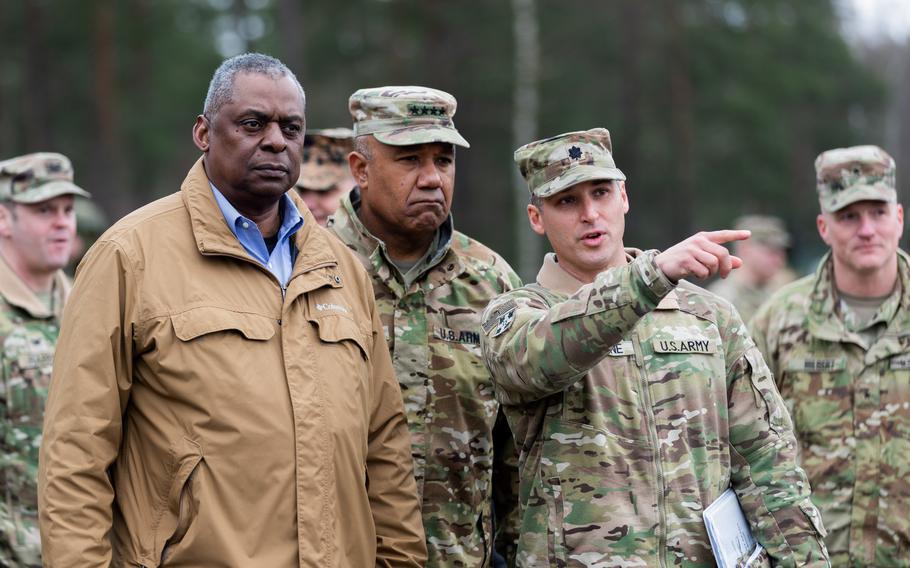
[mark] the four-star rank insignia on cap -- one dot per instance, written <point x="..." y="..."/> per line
<point x="575" y="152"/>
<point x="500" y="319"/>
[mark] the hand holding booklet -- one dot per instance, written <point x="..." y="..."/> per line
<point x="731" y="540"/>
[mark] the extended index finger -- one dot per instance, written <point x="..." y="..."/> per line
<point x="727" y="235"/>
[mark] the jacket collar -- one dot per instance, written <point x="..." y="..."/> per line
<point x="214" y="237"/>
<point x="826" y="323"/>
<point x="18" y="294"/>
<point x="347" y="225"/>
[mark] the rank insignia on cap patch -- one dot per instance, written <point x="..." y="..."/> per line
<point x="500" y="319"/>
<point x="575" y="152"/>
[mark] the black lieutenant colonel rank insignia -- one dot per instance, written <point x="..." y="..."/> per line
<point x="575" y="153"/>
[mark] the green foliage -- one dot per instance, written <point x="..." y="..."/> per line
<point x="717" y="107"/>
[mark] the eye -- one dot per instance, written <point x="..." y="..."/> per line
<point x="251" y="124"/>
<point x="444" y="160"/>
<point x="567" y="200"/>
<point x="292" y="129"/>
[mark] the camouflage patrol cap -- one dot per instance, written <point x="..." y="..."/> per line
<point x="859" y="173"/>
<point x="401" y="116"/>
<point x="555" y="164"/>
<point x="766" y="230"/>
<point x="325" y="162"/>
<point x="34" y="178"/>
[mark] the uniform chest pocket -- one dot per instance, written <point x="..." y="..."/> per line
<point x="29" y="354"/>
<point x="819" y="394"/>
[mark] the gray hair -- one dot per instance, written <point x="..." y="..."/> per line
<point x="362" y="146"/>
<point x="221" y="89"/>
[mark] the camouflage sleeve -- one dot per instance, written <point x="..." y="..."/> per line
<point x="772" y="489"/>
<point x="535" y="348"/>
<point x="759" y="327"/>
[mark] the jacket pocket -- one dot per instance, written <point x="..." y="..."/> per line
<point x="197" y="322"/>
<point x="178" y="510"/>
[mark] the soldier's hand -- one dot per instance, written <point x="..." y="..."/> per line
<point x="701" y="255"/>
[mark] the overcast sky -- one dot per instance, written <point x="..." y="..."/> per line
<point x="873" y="19"/>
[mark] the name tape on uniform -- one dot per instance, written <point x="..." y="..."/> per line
<point x="818" y="365"/>
<point x="456" y="336"/>
<point x="623" y="349"/>
<point x="694" y="345"/>
<point x="900" y="363"/>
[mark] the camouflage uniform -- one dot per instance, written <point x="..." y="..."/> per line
<point x="745" y="296"/>
<point x="28" y="335"/>
<point x="325" y="159"/>
<point x="849" y="396"/>
<point x="432" y="328"/>
<point x="636" y="404"/>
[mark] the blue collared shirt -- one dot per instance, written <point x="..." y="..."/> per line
<point x="281" y="261"/>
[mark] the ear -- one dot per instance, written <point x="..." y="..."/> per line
<point x="623" y="196"/>
<point x="6" y="221"/>
<point x="822" y="224"/>
<point x="535" y="218"/>
<point x="357" y="163"/>
<point x="201" y="133"/>
<point x="900" y="218"/>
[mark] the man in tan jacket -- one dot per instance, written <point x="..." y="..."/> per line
<point x="223" y="395"/>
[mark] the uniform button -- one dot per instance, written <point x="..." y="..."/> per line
<point x="245" y="225"/>
<point x="270" y="265"/>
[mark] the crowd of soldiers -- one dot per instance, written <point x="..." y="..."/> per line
<point x="337" y="377"/>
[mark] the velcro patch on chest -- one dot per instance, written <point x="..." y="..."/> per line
<point x="900" y="363"/>
<point x="701" y="345"/>
<point x="456" y="336"/>
<point x="624" y="348"/>
<point x="818" y="365"/>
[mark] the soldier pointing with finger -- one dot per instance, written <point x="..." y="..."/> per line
<point x="636" y="398"/>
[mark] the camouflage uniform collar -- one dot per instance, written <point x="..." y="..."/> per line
<point x="825" y="313"/>
<point x="346" y="223"/>
<point x="16" y="293"/>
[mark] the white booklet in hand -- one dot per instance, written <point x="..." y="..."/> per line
<point x="731" y="539"/>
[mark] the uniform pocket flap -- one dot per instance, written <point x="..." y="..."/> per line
<point x="201" y="321"/>
<point x="815" y="518"/>
<point x="335" y="329"/>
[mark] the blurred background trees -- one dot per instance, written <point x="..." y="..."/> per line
<point x="717" y="107"/>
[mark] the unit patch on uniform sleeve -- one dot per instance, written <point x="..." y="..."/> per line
<point x="685" y="345"/>
<point x="456" y="336"/>
<point x="500" y="319"/>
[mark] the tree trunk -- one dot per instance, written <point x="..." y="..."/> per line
<point x="526" y="101"/>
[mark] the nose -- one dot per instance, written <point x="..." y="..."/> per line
<point x="273" y="137"/>
<point x="866" y="226"/>
<point x="429" y="177"/>
<point x="589" y="211"/>
<point x="64" y="218"/>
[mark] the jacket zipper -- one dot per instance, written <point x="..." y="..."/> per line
<point x="655" y="444"/>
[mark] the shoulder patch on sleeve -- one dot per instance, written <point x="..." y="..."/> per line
<point x="500" y="318"/>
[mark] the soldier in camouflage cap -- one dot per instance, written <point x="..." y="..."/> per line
<point x="37" y="229"/>
<point x="764" y="268"/>
<point x="324" y="174"/>
<point x="637" y="398"/>
<point x="838" y="343"/>
<point x="431" y="284"/>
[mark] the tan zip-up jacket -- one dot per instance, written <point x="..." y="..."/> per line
<point x="203" y="416"/>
